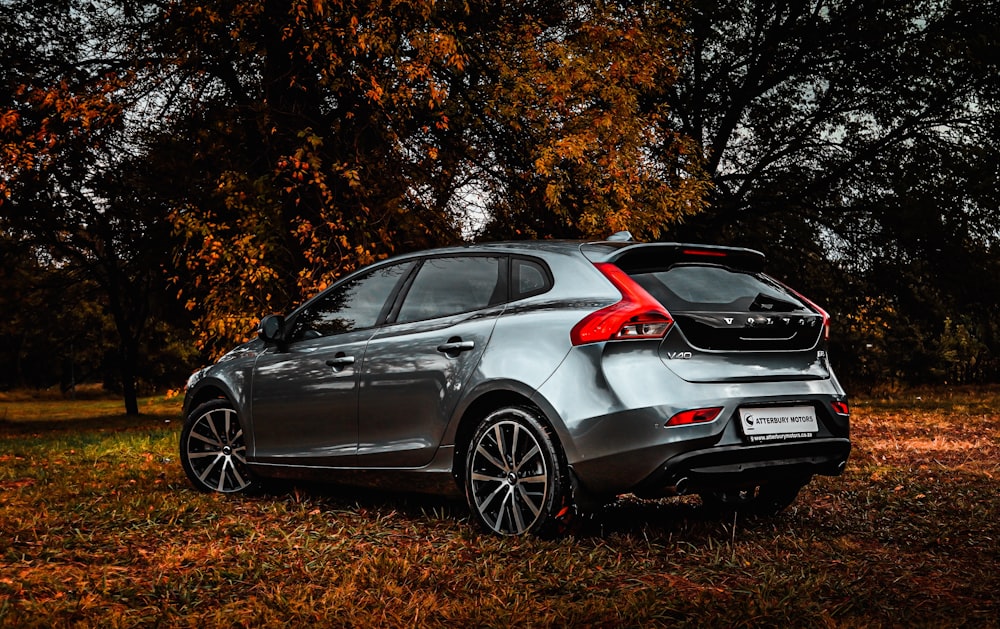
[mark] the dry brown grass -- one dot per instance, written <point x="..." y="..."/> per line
<point x="100" y="528"/>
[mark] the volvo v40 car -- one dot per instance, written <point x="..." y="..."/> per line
<point x="533" y="378"/>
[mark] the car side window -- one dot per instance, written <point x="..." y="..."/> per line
<point x="451" y="285"/>
<point x="529" y="277"/>
<point x="353" y="305"/>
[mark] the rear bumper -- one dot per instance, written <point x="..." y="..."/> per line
<point x="610" y="409"/>
<point x="710" y="467"/>
<point x="731" y="467"/>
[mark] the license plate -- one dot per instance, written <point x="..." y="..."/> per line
<point x="778" y="423"/>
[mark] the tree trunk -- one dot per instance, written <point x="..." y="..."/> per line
<point x="129" y="331"/>
<point x="130" y="360"/>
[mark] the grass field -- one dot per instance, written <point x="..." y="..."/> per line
<point x="99" y="527"/>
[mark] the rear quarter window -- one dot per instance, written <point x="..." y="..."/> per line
<point x="529" y="277"/>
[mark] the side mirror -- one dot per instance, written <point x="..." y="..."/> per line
<point x="271" y="328"/>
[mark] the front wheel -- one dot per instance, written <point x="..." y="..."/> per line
<point x="516" y="480"/>
<point x="213" y="449"/>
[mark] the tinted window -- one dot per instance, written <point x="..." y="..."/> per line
<point x="354" y="305"/>
<point x="446" y="286"/>
<point x="693" y="287"/>
<point x="529" y="277"/>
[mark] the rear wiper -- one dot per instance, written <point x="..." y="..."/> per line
<point x="767" y="303"/>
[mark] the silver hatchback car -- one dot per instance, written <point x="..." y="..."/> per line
<point x="534" y="378"/>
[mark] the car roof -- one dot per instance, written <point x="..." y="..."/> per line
<point x="632" y="256"/>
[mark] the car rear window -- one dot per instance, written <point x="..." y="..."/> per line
<point x="708" y="288"/>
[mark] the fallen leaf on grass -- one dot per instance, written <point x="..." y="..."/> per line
<point x="17" y="483"/>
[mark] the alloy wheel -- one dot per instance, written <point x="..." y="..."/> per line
<point x="214" y="451"/>
<point x="509" y="475"/>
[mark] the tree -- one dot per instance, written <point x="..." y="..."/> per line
<point x="553" y="102"/>
<point x="72" y="180"/>
<point x="851" y="142"/>
<point x="368" y="128"/>
<point x="320" y="98"/>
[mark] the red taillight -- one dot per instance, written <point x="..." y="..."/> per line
<point x="696" y="416"/>
<point x="841" y="408"/>
<point x="637" y="316"/>
<point x="826" y="317"/>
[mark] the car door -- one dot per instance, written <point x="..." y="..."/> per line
<point x="417" y="364"/>
<point x="305" y="391"/>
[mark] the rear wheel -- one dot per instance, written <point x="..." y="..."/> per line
<point x="762" y="500"/>
<point x="516" y="480"/>
<point x="213" y="449"/>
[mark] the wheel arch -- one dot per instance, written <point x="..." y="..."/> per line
<point x="483" y="405"/>
<point x="206" y="392"/>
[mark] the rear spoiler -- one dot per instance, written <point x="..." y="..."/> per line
<point x="638" y="258"/>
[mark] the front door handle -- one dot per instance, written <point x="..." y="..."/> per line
<point x="340" y="361"/>
<point x="456" y="346"/>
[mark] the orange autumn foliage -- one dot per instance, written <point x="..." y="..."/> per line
<point x="348" y="131"/>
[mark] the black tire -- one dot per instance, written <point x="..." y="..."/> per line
<point x="516" y="479"/>
<point x="213" y="450"/>
<point x="762" y="500"/>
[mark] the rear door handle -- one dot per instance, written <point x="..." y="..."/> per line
<point x="454" y="347"/>
<point x="340" y="361"/>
